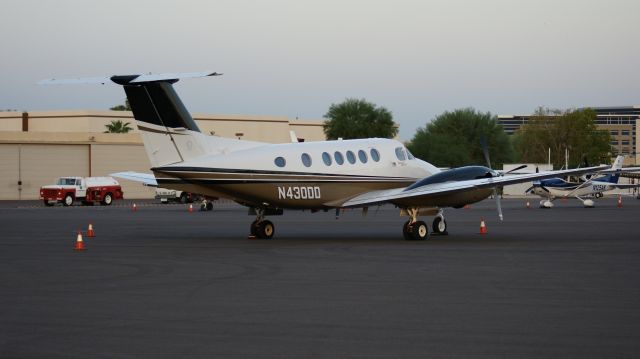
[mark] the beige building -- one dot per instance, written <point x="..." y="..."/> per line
<point x="38" y="147"/>
<point x="623" y="123"/>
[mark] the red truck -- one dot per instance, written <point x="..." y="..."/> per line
<point x="88" y="190"/>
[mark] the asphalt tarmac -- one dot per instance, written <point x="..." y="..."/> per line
<point x="164" y="283"/>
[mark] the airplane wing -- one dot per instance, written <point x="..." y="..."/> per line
<point x="436" y="189"/>
<point x="620" y="171"/>
<point x="147" y="179"/>
<point x="626" y="186"/>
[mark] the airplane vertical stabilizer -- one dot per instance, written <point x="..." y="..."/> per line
<point x="169" y="133"/>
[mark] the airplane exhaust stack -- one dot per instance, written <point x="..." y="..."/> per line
<point x="483" y="227"/>
<point x="90" y="231"/>
<point x="79" y="243"/>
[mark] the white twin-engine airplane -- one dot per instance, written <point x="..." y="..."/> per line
<point x="308" y="175"/>
<point x="553" y="188"/>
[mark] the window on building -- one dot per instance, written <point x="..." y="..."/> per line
<point x="306" y="159"/>
<point x="351" y="157"/>
<point x="624" y="132"/>
<point x="362" y="156"/>
<point x="626" y="142"/>
<point x="614" y="132"/>
<point x="338" y="157"/>
<point x="280" y="161"/>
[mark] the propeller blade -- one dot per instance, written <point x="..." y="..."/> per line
<point x="498" y="205"/>
<point x="515" y="169"/>
<point x="485" y="150"/>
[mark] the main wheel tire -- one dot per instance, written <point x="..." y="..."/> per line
<point x="68" y="200"/>
<point x="265" y="230"/>
<point x="183" y="198"/>
<point x="420" y="231"/>
<point x="209" y="206"/>
<point x="406" y="231"/>
<point x="439" y="225"/>
<point x="48" y="204"/>
<point x="108" y="198"/>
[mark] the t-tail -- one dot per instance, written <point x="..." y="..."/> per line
<point x="169" y="133"/>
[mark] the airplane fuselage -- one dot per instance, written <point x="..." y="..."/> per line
<point x="307" y="175"/>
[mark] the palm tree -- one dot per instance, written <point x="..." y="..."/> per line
<point x="118" y="126"/>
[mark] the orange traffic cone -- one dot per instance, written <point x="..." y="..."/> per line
<point x="90" y="231"/>
<point x="134" y="207"/>
<point x="619" y="201"/>
<point x="79" y="243"/>
<point x="466" y="206"/>
<point x="483" y="228"/>
<point x="528" y="204"/>
<point x="190" y="208"/>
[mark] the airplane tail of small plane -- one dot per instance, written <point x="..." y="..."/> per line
<point x="169" y="133"/>
<point x="613" y="177"/>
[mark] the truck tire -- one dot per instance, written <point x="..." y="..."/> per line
<point x="47" y="203"/>
<point x="183" y="197"/>
<point x="209" y="206"/>
<point x="68" y="200"/>
<point x="108" y="198"/>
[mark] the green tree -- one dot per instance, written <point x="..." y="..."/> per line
<point x="125" y="107"/>
<point x="453" y="139"/>
<point x="357" y="118"/>
<point x="118" y="126"/>
<point x="556" y="130"/>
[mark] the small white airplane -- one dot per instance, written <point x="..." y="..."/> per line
<point x="307" y="175"/>
<point x="606" y="180"/>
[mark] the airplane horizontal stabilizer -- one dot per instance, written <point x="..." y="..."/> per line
<point x="146" y="179"/>
<point x="130" y="78"/>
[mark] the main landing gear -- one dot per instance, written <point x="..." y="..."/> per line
<point x="262" y="228"/>
<point x="414" y="229"/>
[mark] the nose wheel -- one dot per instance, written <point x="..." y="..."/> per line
<point x="439" y="226"/>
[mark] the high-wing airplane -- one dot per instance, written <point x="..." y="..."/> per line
<point x="305" y="175"/>
<point x="553" y="188"/>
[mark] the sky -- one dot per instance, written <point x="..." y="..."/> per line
<point x="295" y="58"/>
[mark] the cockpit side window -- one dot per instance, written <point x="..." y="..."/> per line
<point x="409" y="155"/>
<point x="400" y="154"/>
